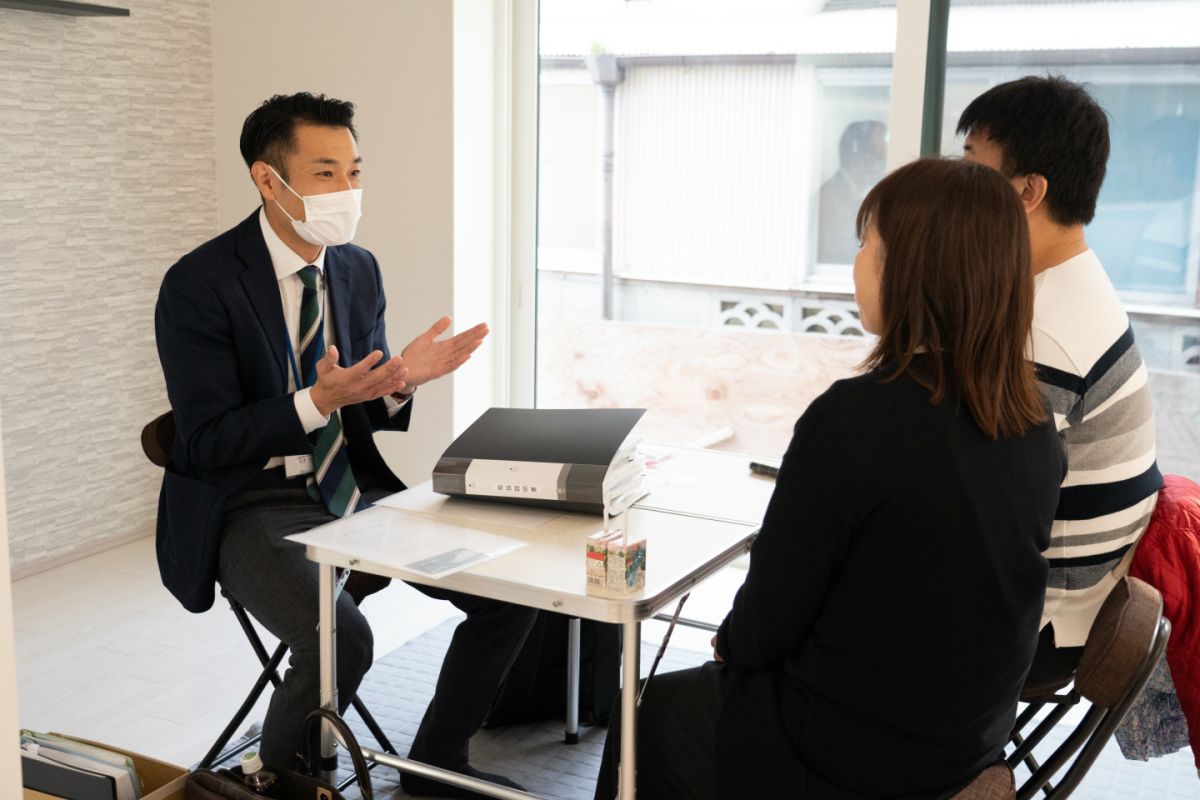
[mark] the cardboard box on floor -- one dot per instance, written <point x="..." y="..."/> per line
<point x="160" y="780"/>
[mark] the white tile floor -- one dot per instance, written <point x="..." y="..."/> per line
<point x="105" y="652"/>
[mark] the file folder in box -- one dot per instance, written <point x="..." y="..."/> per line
<point x="549" y="458"/>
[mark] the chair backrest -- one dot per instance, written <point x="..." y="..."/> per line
<point x="994" y="783"/>
<point x="1118" y="643"/>
<point x="158" y="437"/>
<point x="1125" y="643"/>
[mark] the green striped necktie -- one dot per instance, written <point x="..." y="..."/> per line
<point x="332" y="481"/>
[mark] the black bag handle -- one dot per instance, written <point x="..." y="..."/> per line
<point x="312" y="748"/>
<point x="222" y="785"/>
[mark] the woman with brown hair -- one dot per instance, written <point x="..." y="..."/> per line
<point x="882" y="635"/>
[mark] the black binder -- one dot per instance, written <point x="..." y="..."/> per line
<point x="63" y="781"/>
<point x="549" y="458"/>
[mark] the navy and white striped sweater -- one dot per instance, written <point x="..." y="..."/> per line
<point x="1093" y="377"/>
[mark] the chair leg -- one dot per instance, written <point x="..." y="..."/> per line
<point x="376" y="731"/>
<point x="213" y="757"/>
<point x="1025" y="747"/>
<point x="256" y="641"/>
<point x="373" y="726"/>
<point x="1029" y="760"/>
<point x="269" y="673"/>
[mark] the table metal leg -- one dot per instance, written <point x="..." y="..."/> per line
<point x="446" y="776"/>
<point x="631" y="653"/>
<point x="327" y="614"/>
<point x="572" y="733"/>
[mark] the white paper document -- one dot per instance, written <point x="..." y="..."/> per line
<point x="706" y="483"/>
<point x="421" y="545"/>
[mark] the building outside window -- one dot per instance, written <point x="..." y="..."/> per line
<point x="706" y="275"/>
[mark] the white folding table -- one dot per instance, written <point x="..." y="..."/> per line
<point x="703" y="515"/>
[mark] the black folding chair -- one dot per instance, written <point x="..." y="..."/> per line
<point x="270" y="674"/>
<point x="157" y="439"/>
<point x="1126" y="642"/>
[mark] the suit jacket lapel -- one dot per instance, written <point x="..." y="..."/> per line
<point x="338" y="273"/>
<point x="262" y="288"/>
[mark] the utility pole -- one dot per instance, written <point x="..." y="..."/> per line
<point x="606" y="73"/>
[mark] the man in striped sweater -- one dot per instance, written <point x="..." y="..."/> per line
<point x="1050" y="138"/>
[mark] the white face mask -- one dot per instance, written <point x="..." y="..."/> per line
<point x="329" y="219"/>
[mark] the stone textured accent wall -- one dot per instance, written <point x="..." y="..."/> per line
<point x="106" y="128"/>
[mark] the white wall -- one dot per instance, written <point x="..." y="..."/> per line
<point x="10" y="761"/>
<point x="474" y="187"/>
<point x="394" y="60"/>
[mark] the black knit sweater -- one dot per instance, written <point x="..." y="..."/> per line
<point x="893" y="600"/>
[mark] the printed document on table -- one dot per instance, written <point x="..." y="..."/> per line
<point x="421" y="545"/>
<point x="706" y="483"/>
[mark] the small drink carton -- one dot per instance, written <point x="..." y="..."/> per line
<point x="597" y="557"/>
<point x="626" y="566"/>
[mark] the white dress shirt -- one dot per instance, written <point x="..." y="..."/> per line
<point x="287" y="265"/>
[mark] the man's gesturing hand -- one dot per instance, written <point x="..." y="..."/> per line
<point x="342" y="386"/>
<point x="427" y="359"/>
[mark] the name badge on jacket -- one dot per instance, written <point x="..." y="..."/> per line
<point x="295" y="466"/>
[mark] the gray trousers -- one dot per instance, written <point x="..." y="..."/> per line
<point x="277" y="584"/>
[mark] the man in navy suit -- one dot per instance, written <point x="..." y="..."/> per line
<point x="271" y="338"/>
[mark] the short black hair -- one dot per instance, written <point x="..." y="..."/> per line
<point x="269" y="133"/>
<point x="1052" y="127"/>
<point x="856" y="138"/>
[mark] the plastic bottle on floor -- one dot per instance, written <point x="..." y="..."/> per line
<point x="258" y="780"/>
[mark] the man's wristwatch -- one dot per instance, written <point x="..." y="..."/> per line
<point x="400" y="397"/>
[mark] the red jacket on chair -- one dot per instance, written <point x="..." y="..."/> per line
<point x="1168" y="558"/>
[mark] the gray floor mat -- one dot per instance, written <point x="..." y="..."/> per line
<point x="399" y="686"/>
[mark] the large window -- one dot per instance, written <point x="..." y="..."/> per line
<point x="700" y="167"/>
<point x="701" y="162"/>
